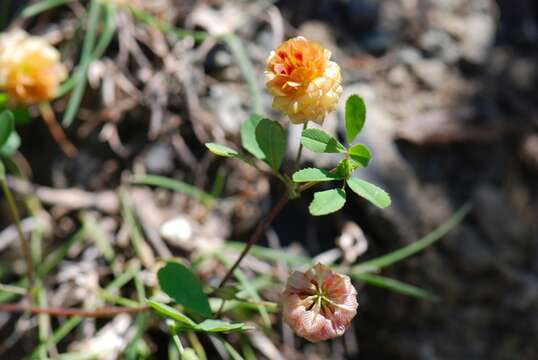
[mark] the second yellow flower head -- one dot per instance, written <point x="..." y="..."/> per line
<point x="30" y="68"/>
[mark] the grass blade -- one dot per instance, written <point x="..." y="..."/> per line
<point x="238" y="50"/>
<point x="42" y="6"/>
<point x="411" y="249"/>
<point x="108" y="32"/>
<point x="103" y="43"/>
<point x="85" y="60"/>
<point x="176" y="185"/>
<point x="396" y="286"/>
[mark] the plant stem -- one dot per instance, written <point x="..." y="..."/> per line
<point x="56" y="130"/>
<point x="262" y="226"/>
<point x="300" y="151"/>
<point x="261" y="229"/>
<point x="17" y="221"/>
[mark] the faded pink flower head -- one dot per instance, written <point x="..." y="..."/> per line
<point x="319" y="304"/>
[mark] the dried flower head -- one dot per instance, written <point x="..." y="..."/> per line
<point x="30" y="68"/>
<point x="304" y="82"/>
<point x="319" y="304"/>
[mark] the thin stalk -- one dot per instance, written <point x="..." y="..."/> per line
<point x="56" y="130"/>
<point x="300" y="151"/>
<point x="17" y="221"/>
<point x="262" y="226"/>
<point x="104" y="312"/>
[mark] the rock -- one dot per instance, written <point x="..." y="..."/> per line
<point x="228" y="105"/>
<point x="352" y="242"/>
<point x="159" y="159"/>
<point x="529" y="151"/>
<point x="432" y="72"/>
<point x="501" y="225"/>
<point x="478" y="37"/>
<point x="440" y="44"/>
<point x="177" y="230"/>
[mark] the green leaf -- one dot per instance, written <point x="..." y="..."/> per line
<point x="216" y="326"/>
<point x="182" y="285"/>
<point x="396" y="286"/>
<point x="370" y="192"/>
<point x="411" y="249"/>
<point x="11" y="145"/>
<point x="7" y="125"/>
<point x="248" y="136"/>
<point x="170" y="312"/>
<point x="221" y="150"/>
<point x="355" y="117"/>
<point x="21" y="114"/>
<point x="314" y="174"/>
<point x="360" y="153"/>
<point x="176" y="185"/>
<point x="328" y="201"/>
<point x="319" y="141"/>
<point x="271" y="138"/>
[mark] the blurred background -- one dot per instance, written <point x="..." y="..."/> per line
<point x="452" y="93"/>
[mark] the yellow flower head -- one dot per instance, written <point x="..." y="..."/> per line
<point x="319" y="304"/>
<point x="30" y="68"/>
<point x="304" y="82"/>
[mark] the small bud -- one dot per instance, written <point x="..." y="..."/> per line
<point x="319" y="304"/>
<point x="30" y="68"/>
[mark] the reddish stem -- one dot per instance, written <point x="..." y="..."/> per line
<point x="104" y="312"/>
<point x="256" y="236"/>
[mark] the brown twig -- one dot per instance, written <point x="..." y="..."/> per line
<point x="104" y="312"/>
<point x="56" y="130"/>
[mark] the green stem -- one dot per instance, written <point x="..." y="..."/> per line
<point x="300" y="151"/>
<point x="17" y="222"/>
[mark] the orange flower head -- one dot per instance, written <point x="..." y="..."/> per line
<point x="30" y="68"/>
<point x="319" y="304"/>
<point x="304" y="82"/>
